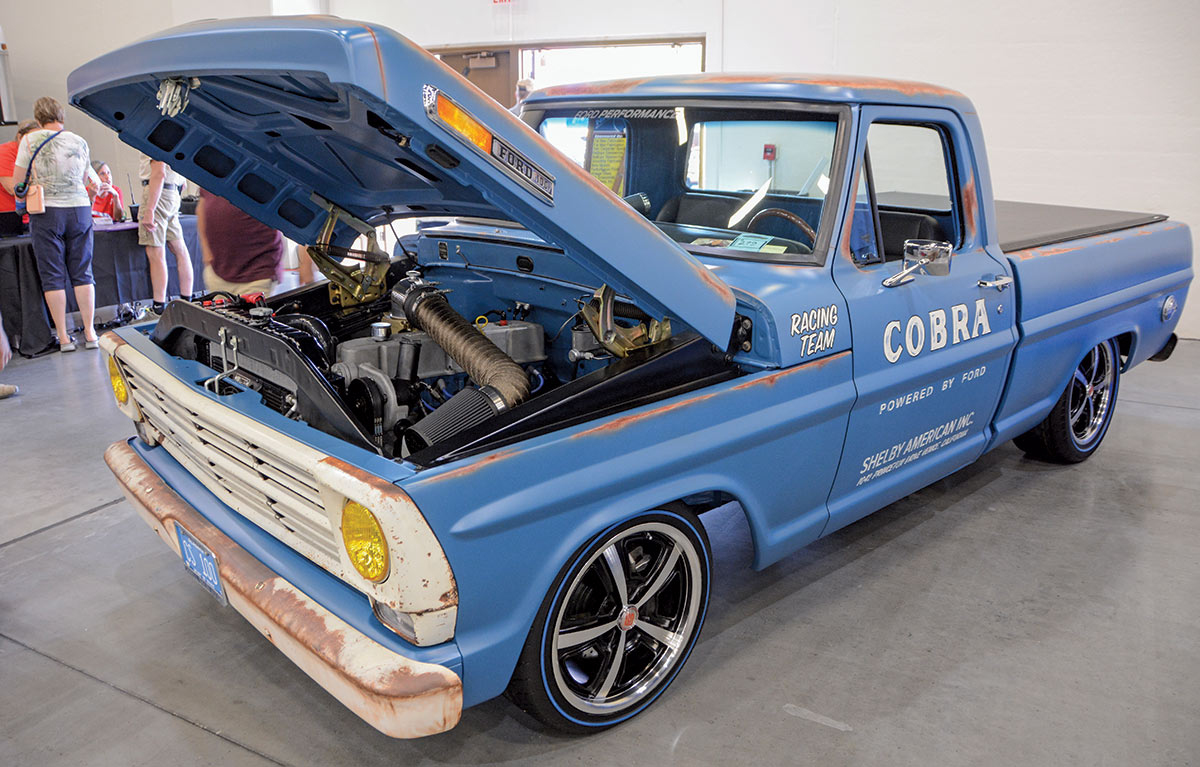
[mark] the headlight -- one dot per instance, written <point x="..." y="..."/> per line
<point x="119" y="387"/>
<point x="363" y="538"/>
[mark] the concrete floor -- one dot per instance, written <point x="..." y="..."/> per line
<point x="1014" y="613"/>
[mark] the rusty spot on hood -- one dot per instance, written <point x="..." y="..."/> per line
<point x="114" y="339"/>
<point x="472" y="467"/>
<point x="769" y="380"/>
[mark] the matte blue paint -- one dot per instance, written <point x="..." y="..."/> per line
<point x="787" y="439"/>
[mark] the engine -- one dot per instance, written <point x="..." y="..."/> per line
<point x="408" y="375"/>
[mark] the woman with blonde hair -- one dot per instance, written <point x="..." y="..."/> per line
<point x="59" y="161"/>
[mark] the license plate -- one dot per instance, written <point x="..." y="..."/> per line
<point x="200" y="562"/>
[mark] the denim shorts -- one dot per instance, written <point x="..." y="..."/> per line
<point x="62" y="246"/>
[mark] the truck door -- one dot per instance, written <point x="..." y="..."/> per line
<point x="931" y="353"/>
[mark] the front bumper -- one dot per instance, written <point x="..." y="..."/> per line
<point x="400" y="697"/>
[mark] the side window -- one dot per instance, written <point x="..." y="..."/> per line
<point x="912" y="185"/>
<point x="601" y="147"/>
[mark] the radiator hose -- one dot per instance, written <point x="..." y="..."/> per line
<point x="502" y="383"/>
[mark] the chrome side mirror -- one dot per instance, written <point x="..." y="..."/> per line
<point x="929" y="256"/>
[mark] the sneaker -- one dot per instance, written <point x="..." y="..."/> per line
<point x="144" y="313"/>
<point x="8" y="390"/>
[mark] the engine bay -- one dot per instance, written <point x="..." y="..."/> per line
<point x="449" y="360"/>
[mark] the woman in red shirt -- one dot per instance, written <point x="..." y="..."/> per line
<point x="108" y="199"/>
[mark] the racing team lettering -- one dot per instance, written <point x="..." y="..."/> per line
<point x="816" y="328"/>
<point x="914" y="332"/>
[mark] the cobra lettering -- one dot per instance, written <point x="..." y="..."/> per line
<point x="935" y="329"/>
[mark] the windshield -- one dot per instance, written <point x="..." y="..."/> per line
<point x="723" y="181"/>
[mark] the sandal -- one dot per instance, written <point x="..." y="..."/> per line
<point x="91" y="344"/>
<point x="67" y="347"/>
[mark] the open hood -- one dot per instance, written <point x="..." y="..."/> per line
<point x="283" y="114"/>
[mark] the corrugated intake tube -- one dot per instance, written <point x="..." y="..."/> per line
<point x="502" y="383"/>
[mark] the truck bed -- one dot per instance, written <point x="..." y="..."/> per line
<point x="1025" y="225"/>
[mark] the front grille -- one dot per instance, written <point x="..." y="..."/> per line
<point x="263" y="485"/>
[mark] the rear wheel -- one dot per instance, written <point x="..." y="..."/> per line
<point x="1079" y="420"/>
<point x="618" y="624"/>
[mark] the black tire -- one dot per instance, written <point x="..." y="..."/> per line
<point x="1079" y="420"/>
<point x="647" y="618"/>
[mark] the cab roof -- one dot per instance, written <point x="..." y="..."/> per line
<point x="846" y="89"/>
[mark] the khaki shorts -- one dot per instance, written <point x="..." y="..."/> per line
<point x="166" y="219"/>
<point x="212" y="283"/>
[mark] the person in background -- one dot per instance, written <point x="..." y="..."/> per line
<point x="305" y="266"/>
<point x="241" y="255"/>
<point x="524" y="86"/>
<point x="6" y="390"/>
<point x="8" y="158"/>
<point x="159" y="228"/>
<point x="108" y="201"/>
<point x="62" y="235"/>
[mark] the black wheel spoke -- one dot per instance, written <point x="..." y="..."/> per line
<point x="661" y="578"/>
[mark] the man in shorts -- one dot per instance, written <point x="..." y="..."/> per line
<point x="159" y="228"/>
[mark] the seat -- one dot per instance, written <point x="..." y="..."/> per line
<point x="899" y="226"/>
<point x="699" y="210"/>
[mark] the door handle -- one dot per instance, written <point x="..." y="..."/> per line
<point x="1000" y="283"/>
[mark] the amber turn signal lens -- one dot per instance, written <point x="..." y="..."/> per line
<point x="119" y="387"/>
<point x="363" y="538"/>
<point x="464" y="124"/>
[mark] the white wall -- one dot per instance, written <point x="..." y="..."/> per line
<point x="1084" y="102"/>
<point x="41" y="60"/>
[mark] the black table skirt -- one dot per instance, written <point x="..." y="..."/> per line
<point x="118" y="264"/>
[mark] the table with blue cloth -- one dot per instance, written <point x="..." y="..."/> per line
<point x="119" y="267"/>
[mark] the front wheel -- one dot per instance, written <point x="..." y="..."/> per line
<point x="1079" y="420"/>
<point x="617" y="625"/>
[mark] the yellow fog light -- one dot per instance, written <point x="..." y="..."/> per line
<point x="363" y="538"/>
<point x="120" y="389"/>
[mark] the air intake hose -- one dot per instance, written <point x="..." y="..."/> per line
<point x="495" y="373"/>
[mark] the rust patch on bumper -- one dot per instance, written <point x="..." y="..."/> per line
<point x="400" y="697"/>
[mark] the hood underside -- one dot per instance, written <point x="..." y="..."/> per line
<point x="285" y="113"/>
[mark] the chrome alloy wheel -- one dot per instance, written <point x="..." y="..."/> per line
<point x="1091" y="395"/>
<point x="627" y="619"/>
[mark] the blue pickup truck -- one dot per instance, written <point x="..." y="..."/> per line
<point x="477" y="464"/>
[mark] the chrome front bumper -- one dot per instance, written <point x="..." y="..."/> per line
<point x="398" y="696"/>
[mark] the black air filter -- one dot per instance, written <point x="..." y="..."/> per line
<point x="469" y="407"/>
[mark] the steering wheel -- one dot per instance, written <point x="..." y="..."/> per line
<point x="784" y="214"/>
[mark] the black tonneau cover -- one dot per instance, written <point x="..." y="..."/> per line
<point x="1025" y="225"/>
